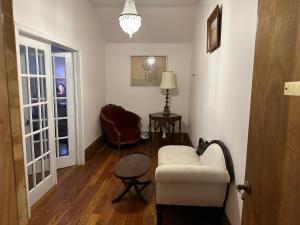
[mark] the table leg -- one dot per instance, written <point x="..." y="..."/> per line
<point x="133" y="183"/>
<point x="173" y="124"/>
<point x="150" y="126"/>
<point x="139" y="190"/>
<point x="127" y="188"/>
<point x="160" y="129"/>
<point x="144" y="183"/>
<point x="180" y="126"/>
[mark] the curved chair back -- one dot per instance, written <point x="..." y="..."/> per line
<point x="110" y="112"/>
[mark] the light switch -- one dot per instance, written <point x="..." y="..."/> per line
<point x="292" y="88"/>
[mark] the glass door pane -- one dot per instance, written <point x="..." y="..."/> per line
<point x="64" y="108"/>
<point x="60" y="105"/>
<point x="34" y="73"/>
<point x="35" y="111"/>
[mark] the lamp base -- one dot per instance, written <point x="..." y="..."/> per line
<point x="166" y="111"/>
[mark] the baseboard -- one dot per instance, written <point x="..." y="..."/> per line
<point x="92" y="149"/>
<point x="226" y="220"/>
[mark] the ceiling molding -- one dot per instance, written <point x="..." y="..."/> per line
<point x="145" y="3"/>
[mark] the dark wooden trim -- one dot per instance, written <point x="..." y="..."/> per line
<point x="91" y="150"/>
<point x="220" y="217"/>
<point x="159" y="209"/>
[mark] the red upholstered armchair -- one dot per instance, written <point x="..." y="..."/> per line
<point x="119" y="125"/>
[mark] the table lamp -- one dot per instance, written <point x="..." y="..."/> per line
<point x="167" y="82"/>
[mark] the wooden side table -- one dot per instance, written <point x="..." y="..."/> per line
<point x="161" y="121"/>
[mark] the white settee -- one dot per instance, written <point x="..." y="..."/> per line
<point x="185" y="178"/>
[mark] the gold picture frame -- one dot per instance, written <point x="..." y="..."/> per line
<point x="146" y="71"/>
<point x="214" y="30"/>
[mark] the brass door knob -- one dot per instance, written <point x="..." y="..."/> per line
<point x="243" y="188"/>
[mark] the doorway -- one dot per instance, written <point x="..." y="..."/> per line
<point x="47" y="97"/>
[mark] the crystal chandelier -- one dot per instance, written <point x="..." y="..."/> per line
<point x="130" y="20"/>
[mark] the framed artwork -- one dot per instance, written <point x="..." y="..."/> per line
<point x="214" y="30"/>
<point x="146" y="71"/>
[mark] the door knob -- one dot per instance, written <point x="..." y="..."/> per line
<point x="243" y="188"/>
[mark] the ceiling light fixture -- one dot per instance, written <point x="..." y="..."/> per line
<point x="130" y="20"/>
<point x="151" y="60"/>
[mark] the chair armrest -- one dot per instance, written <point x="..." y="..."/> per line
<point x="191" y="174"/>
<point x="110" y="128"/>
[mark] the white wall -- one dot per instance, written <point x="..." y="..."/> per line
<point x="221" y="89"/>
<point x="145" y="100"/>
<point x="75" y="23"/>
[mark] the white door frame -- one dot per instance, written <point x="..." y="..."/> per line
<point x="22" y="30"/>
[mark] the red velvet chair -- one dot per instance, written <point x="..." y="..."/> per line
<point x="119" y="125"/>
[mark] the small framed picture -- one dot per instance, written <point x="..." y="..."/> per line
<point x="214" y="30"/>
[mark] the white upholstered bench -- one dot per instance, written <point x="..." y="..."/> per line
<point x="185" y="178"/>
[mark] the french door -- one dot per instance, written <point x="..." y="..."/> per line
<point x="64" y="109"/>
<point x="48" y="114"/>
<point x="37" y="111"/>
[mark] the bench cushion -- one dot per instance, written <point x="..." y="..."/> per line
<point x="178" y="155"/>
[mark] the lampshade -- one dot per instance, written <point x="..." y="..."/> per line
<point x="168" y="80"/>
<point x="130" y="20"/>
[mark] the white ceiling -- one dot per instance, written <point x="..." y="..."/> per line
<point x="159" y="25"/>
<point x="163" y="21"/>
<point x="154" y="3"/>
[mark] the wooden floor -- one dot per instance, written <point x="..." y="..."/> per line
<point x="83" y="194"/>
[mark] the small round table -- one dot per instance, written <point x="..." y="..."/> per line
<point x="128" y="169"/>
<point x="164" y="121"/>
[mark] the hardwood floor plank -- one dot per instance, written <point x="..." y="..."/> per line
<point x="102" y="195"/>
<point x="93" y="219"/>
<point x="59" y="199"/>
<point x="84" y="194"/>
<point x="88" y="192"/>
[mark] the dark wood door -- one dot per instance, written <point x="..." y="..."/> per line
<point x="273" y="158"/>
<point x="13" y="205"/>
<point x="8" y="197"/>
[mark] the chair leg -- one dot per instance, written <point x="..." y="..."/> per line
<point x="119" y="143"/>
<point x="159" y="214"/>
